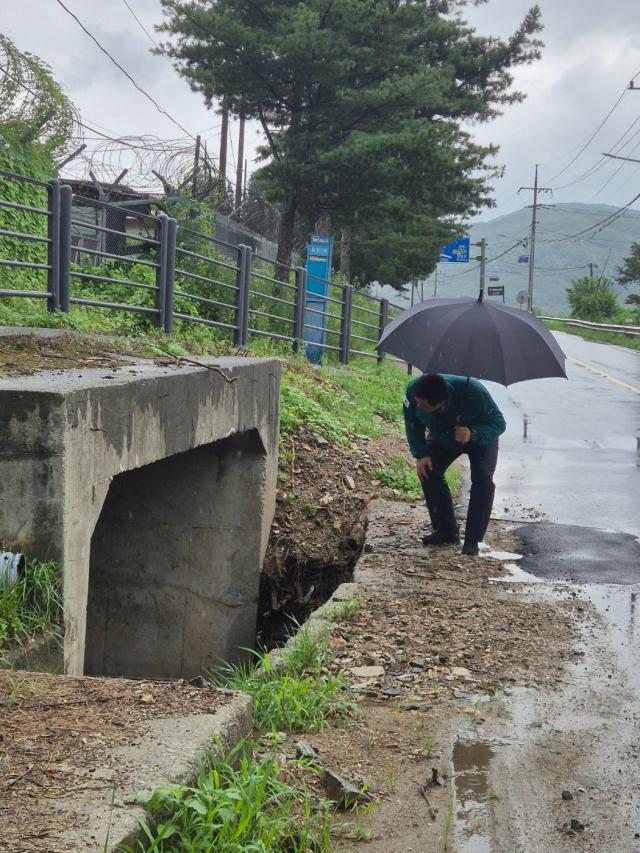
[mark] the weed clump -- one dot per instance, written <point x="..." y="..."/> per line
<point x="237" y="804"/>
<point x="33" y="604"/>
<point x="297" y="694"/>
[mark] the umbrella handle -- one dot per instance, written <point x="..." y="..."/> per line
<point x="464" y="400"/>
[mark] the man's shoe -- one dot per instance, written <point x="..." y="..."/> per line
<point x="441" y="537"/>
<point x="470" y="549"/>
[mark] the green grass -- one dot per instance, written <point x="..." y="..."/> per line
<point x="400" y="473"/>
<point x="298" y="694"/>
<point x="237" y="805"/>
<point x="339" y="610"/>
<point x="628" y="341"/>
<point x="342" y="404"/>
<point x="448" y="823"/>
<point x="32" y="605"/>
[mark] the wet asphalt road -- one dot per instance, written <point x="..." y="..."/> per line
<point x="579" y="554"/>
<point x="570" y="454"/>
<point x="569" y="461"/>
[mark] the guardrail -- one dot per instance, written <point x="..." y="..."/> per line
<point x="603" y="327"/>
<point x="76" y="251"/>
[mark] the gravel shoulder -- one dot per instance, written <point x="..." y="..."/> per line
<point x="438" y="656"/>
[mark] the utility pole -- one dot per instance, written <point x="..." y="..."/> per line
<point x="196" y="163"/>
<point x="240" y="162"/>
<point x="483" y="265"/>
<point x="435" y="284"/>
<point x="224" y="133"/>
<point x="532" y="254"/>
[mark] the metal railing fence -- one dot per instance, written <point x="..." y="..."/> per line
<point x="632" y="331"/>
<point x="120" y="259"/>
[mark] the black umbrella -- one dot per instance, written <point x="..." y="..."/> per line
<point x="470" y="337"/>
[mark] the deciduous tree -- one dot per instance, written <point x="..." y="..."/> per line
<point x="593" y="299"/>
<point x="629" y="273"/>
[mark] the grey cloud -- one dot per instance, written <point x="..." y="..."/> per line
<point x="591" y="50"/>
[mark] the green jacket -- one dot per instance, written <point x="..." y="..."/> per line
<point x="474" y="409"/>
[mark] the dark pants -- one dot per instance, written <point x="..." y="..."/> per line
<point x="438" y="497"/>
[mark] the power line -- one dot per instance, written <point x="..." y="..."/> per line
<point x="604" y="223"/>
<point x="105" y="134"/>
<point x="619" y="169"/>
<point x="599" y="164"/>
<point x="144" y="29"/>
<point x="123" y="70"/>
<point x="593" y="134"/>
<point x="491" y="260"/>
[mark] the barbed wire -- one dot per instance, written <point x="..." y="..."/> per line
<point x="153" y="164"/>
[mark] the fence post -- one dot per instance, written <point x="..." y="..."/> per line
<point x="345" y="325"/>
<point x="170" y="269"/>
<point x="300" y="302"/>
<point x="53" y="246"/>
<point x="64" y="257"/>
<point x="384" y="319"/>
<point x="243" y="283"/>
<point x="162" y="233"/>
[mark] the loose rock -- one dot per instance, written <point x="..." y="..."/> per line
<point x="305" y="750"/>
<point x="342" y="791"/>
<point x="367" y="671"/>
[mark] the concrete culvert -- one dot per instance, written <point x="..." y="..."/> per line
<point x="174" y="565"/>
<point x="153" y="487"/>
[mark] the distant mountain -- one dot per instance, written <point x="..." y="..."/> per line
<point x="558" y="261"/>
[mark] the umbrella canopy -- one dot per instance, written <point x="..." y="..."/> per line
<point x="469" y="337"/>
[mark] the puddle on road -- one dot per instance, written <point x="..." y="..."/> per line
<point x="487" y="552"/>
<point x="543" y="724"/>
<point x="471" y="759"/>
<point x="503" y="556"/>
<point x="618" y="605"/>
<point x="516" y="575"/>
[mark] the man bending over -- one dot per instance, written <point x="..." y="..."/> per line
<point x="446" y="416"/>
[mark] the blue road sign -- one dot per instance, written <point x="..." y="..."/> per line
<point x="319" y="253"/>
<point x="523" y="259"/>
<point x="494" y="278"/>
<point x="456" y="253"/>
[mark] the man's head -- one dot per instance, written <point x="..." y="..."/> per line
<point x="431" y="392"/>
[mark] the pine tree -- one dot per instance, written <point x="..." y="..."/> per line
<point x="361" y="103"/>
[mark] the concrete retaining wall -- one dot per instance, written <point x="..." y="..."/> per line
<point x="155" y="489"/>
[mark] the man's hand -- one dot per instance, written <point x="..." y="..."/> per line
<point x="462" y="434"/>
<point x="422" y="466"/>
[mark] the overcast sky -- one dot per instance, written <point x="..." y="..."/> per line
<point x="592" y="51"/>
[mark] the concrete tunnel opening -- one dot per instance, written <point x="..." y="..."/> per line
<point x="175" y="563"/>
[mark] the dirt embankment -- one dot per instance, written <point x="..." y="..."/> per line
<point x="318" y="531"/>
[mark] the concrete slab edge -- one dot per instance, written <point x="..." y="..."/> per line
<point x="175" y="749"/>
